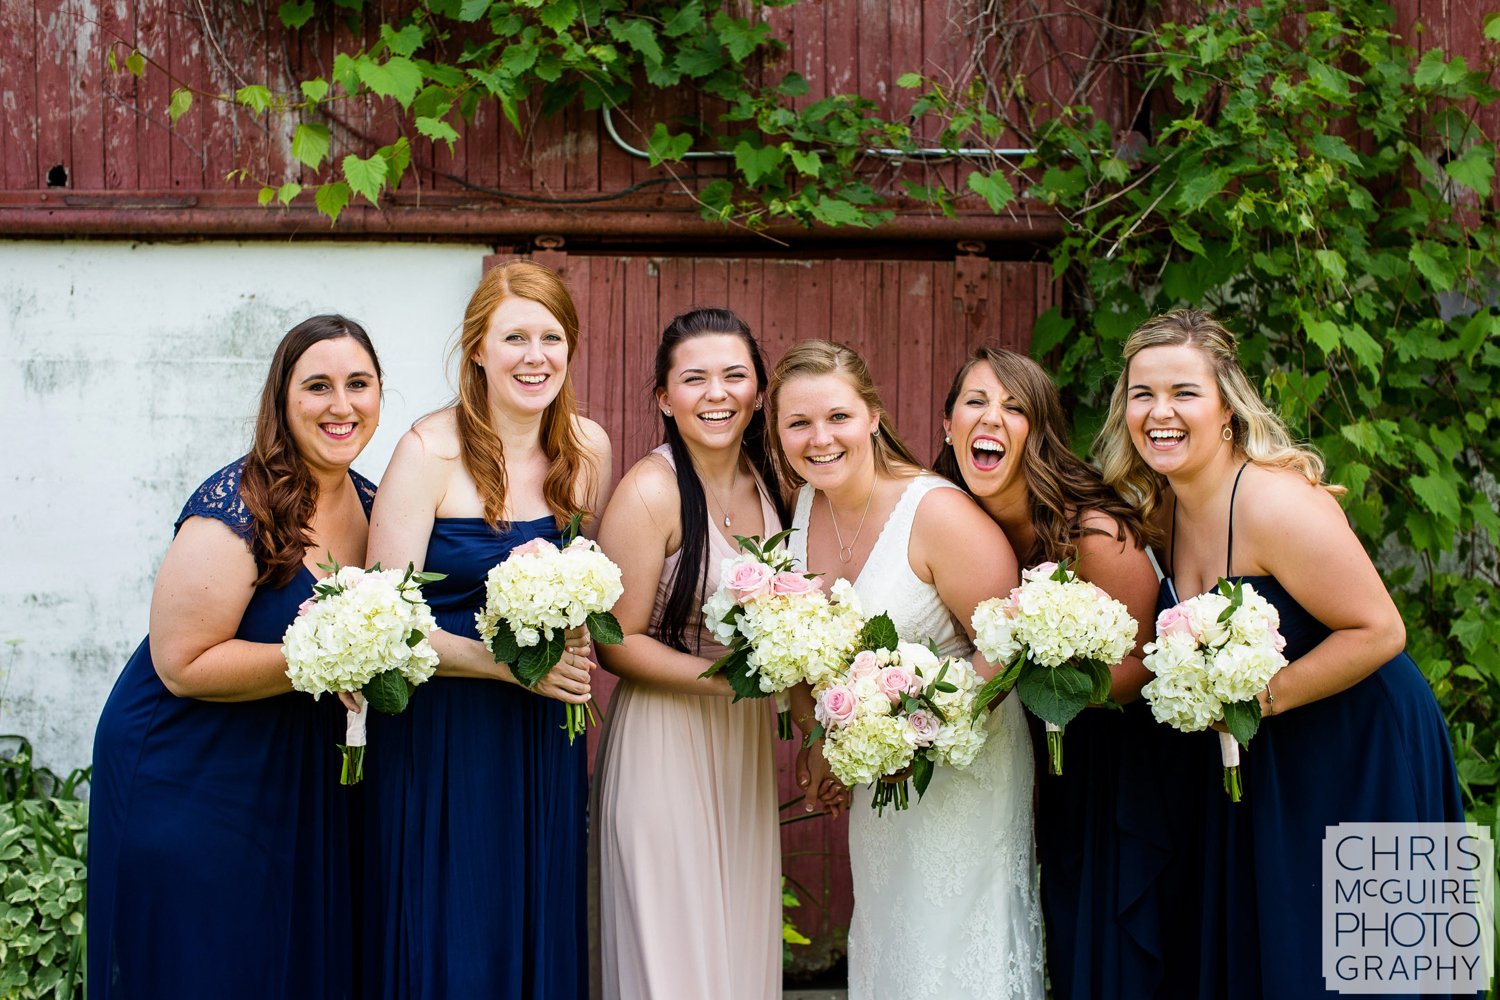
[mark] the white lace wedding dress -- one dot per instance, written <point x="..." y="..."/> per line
<point x="945" y="895"/>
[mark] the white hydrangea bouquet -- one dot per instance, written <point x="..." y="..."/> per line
<point x="781" y="629"/>
<point x="362" y="630"/>
<point x="895" y="712"/>
<point x="1057" y="637"/>
<point x="1212" y="655"/>
<point x="540" y="592"/>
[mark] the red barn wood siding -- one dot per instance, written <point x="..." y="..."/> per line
<point x="914" y="320"/>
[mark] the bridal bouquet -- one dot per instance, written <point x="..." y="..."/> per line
<point x="781" y="629"/>
<point x="362" y="630"/>
<point x="896" y="712"/>
<point x="1056" y="637"/>
<point x="1212" y="656"/>
<point x="536" y="595"/>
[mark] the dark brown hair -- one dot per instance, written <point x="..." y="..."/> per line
<point x="278" y="489"/>
<point x="1060" y="486"/>
<point x="479" y="442"/>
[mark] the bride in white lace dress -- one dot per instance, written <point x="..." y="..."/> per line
<point x="945" y="896"/>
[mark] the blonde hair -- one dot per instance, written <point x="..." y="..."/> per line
<point x="824" y="357"/>
<point x="1259" y="433"/>
<point x="479" y="442"/>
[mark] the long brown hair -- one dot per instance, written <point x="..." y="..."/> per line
<point x="479" y="442"/>
<point x="1060" y="487"/>
<point x="276" y="485"/>
<point x="824" y="357"/>
<point x="1258" y="431"/>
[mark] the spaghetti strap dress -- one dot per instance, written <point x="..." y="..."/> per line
<point x="688" y="847"/>
<point x="1375" y="752"/>
<point x="475" y="871"/>
<point x="219" y="836"/>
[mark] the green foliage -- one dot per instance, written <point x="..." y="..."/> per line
<point x="1326" y="194"/>
<point x="43" y="850"/>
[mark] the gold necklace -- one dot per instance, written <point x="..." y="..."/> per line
<point x="733" y="482"/>
<point x="846" y="553"/>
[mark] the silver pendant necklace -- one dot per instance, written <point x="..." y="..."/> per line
<point x="846" y="553"/>
<point x="733" y="482"/>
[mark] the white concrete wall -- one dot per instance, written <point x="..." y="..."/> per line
<point x="128" y="374"/>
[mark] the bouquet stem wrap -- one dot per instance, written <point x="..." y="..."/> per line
<point x="353" y="747"/>
<point x="1054" y="748"/>
<point x="1229" y="753"/>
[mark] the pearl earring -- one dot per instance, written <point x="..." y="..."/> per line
<point x="947" y="439"/>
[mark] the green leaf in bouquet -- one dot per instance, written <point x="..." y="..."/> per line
<point x="535" y="661"/>
<point x="1102" y="678"/>
<point x="813" y="735"/>
<point x="733" y="615"/>
<point x="994" y="688"/>
<point x="1242" y="718"/>
<point x="921" y="773"/>
<point x="1060" y="574"/>
<point x="742" y="682"/>
<point x="605" y="628"/>
<point x="388" y="692"/>
<point x="575" y="526"/>
<point x="331" y="566"/>
<point x="1236" y="594"/>
<point x="944" y="686"/>
<point x="415" y="637"/>
<point x="879" y="633"/>
<point x="723" y="662"/>
<point x="504" y="646"/>
<point x="750" y="544"/>
<point x="1054" y="694"/>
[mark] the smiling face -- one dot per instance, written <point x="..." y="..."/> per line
<point x="988" y="428"/>
<point x="826" y="431"/>
<point x="524" y="355"/>
<point x="1174" y="411"/>
<point x="711" y="389"/>
<point x="333" y="403"/>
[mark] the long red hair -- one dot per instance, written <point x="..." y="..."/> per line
<point x="479" y="443"/>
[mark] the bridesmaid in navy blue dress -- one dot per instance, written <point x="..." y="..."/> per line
<point x="219" y="837"/>
<point x="1350" y="731"/>
<point x="477" y="861"/>
<point x="1006" y="442"/>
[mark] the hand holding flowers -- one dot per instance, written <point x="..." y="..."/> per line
<point x="1212" y="656"/>
<point x="897" y="711"/>
<point x="536" y="595"/>
<point x="781" y="629"/>
<point x="362" y="630"/>
<point x="1054" y="639"/>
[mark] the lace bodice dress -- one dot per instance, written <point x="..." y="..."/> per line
<point x="218" y="833"/>
<point x="945" y="895"/>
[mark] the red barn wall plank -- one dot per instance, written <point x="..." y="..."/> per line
<point x="18" y="154"/>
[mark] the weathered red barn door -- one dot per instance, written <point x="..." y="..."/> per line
<point x="914" y="320"/>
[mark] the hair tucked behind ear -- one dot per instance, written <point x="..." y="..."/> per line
<point x="278" y="489"/>
<point x="479" y="442"/>
<point x="1259" y="433"/>
<point x="1060" y="487"/>
<point x="686" y="595"/>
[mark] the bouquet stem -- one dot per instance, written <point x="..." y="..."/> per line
<point x="783" y="715"/>
<point x="578" y="718"/>
<point x="1054" y="748"/>
<point x="353" y="748"/>
<point x="1229" y="753"/>
<point x="889" y="793"/>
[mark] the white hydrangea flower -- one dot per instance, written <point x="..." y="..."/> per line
<point x="340" y="641"/>
<point x="541" y="589"/>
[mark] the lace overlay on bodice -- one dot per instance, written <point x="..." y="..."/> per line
<point x="219" y="498"/>
<point x="945" y="894"/>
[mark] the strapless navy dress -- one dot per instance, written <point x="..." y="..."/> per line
<point x="476" y="871"/>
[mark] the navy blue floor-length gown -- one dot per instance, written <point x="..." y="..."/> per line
<point x="1107" y="859"/>
<point x="219" y="837"/>
<point x="477" y="864"/>
<point x="1375" y="752"/>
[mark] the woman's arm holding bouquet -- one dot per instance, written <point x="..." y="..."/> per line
<point x="204" y="585"/>
<point x="1297" y="533"/>
<point x="638" y="530"/>
<point x="1121" y="570"/>
<point x="964" y="554"/>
